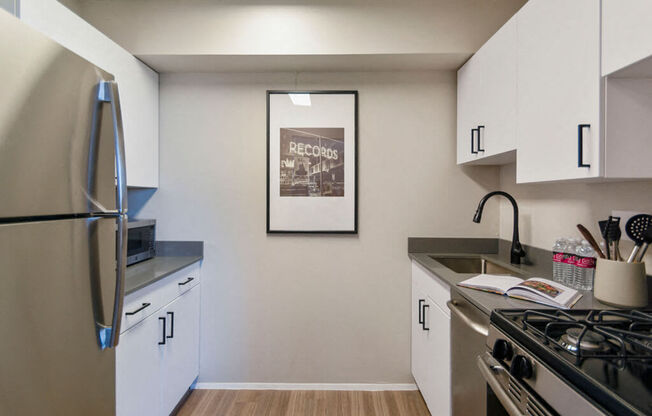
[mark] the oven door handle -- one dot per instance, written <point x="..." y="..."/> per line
<point x="491" y="370"/>
<point x="476" y="326"/>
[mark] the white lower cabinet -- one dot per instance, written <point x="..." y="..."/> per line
<point x="157" y="359"/>
<point x="138" y="363"/>
<point x="431" y="366"/>
<point x="181" y="352"/>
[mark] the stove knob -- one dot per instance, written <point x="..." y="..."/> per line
<point x="521" y="367"/>
<point x="502" y="350"/>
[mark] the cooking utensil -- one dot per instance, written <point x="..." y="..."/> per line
<point x="635" y="228"/>
<point x="589" y="237"/>
<point x="648" y="239"/>
<point x="611" y="233"/>
<point x="616" y="233"/>
<point x="603" y="230"/>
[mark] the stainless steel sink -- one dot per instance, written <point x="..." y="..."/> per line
<point x="473" y="265"/>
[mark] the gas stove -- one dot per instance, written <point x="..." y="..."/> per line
<point x="548" y="362"/>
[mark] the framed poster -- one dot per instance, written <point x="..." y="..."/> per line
<point x="312" y="162"/>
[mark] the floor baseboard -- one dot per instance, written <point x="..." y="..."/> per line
<point x="307" y="386"/>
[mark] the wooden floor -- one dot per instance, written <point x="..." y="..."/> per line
<point x="303" y="403"/>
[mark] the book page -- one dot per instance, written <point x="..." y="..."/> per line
<point x="491" y="282"/>
<point x="553" y="292"/>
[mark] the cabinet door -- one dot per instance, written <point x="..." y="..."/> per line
<point x="181" y="357"/>
<point x="558" y="89"/>
<point x="138" y="374"/>
<point x="418" y="337"/>
<point x="626" y="33"/>
<point x="436" y="349"/>
<point x="497" y="97"/>
<point x="469" y="82"/>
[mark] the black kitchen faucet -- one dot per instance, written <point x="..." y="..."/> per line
<point x="517" y="251"/>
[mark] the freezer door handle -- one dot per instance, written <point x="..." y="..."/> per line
<point x="107" y="92"/>
<point x="109" y="336"/>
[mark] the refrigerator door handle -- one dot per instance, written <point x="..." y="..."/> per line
<point x="121" y="268"/>
<point x="109" y="336"/>
<point x="107" y="92"/>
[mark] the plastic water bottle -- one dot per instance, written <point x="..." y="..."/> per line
<point x="568" y="263"/>
<point x="584" y="267"/>
<point x="557" y="255"/>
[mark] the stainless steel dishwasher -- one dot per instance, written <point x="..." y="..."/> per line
<point x="469" y="330"/>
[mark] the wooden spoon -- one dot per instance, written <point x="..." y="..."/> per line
<point x="589" y="237"/>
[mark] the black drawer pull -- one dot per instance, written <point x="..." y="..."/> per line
<point x="475" y="152"/>
<point x="580" y="146"/>
<point x="190" y="279"/>
<point x="162" y="318"/>
<point x="138" y="310"/>
<point x="480" y="135"/>
<point x="423" y="324"/>
<point x="171" y="325"/>
<point x="421" y="310"/>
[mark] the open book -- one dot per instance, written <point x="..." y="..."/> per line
<point x="537" y="290"/>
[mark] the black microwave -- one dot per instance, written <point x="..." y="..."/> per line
<point x="141" y="241"/>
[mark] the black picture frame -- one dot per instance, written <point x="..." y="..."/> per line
<point x="354" y="231"/>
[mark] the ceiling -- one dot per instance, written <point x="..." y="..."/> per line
<point x="298" y="35"/>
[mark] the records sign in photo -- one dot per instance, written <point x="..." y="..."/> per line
<point x="312" y="162"/>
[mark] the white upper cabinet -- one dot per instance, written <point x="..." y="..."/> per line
<point x="558" y="90"/>
<point x="537" y="87"/>
<point x="626" y="33"/>
<point x="137" y="83"/>
<point x="487" y="101"/>
<point x="498" y="101"/>
<point x="469" y="83"/>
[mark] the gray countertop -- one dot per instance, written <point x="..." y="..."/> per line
<point x="174" y="257"/>
<point x="483" y="300"/>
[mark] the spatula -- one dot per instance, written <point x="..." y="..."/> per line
<point x="635" y="228"/>
<point x="614" y="234"/>
<point x="611" y="233"/>
<point x="647" y="241"/>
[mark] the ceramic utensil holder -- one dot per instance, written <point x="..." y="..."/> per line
<point x="620" y="284"/>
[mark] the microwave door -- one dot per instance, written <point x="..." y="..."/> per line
<point x="57" y="300"/>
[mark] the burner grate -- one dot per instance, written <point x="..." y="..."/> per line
<point x="627" y="334"/>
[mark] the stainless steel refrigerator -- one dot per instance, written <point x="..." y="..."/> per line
<point x="62" y="228"/>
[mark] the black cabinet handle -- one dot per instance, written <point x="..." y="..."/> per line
<point x="473" y="140"/>
<point x="164" y="325"/>
<point x="480" y="135"/>
<point x="423" y="324"/>
<point x="190" y="279"/>
<point x="580" y="146"/>
<point x="421" y="310"/>
<point x="171" y="325"/>
<point x="138" y="310"/>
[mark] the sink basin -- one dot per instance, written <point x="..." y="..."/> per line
<point x="473" y="265"/>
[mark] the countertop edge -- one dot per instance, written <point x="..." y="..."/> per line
<point x="182" y="263"/>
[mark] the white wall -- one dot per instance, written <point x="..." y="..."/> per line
<point x="323" y="309"/>
<point x="138" y="84"/>
<point x="552" y="210"/>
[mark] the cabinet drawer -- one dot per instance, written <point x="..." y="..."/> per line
<point x="148" y="300"/>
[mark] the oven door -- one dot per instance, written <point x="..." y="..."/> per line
<point x="505" y="394"/>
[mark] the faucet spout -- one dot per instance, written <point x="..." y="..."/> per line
<point x="516" y="251"/>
